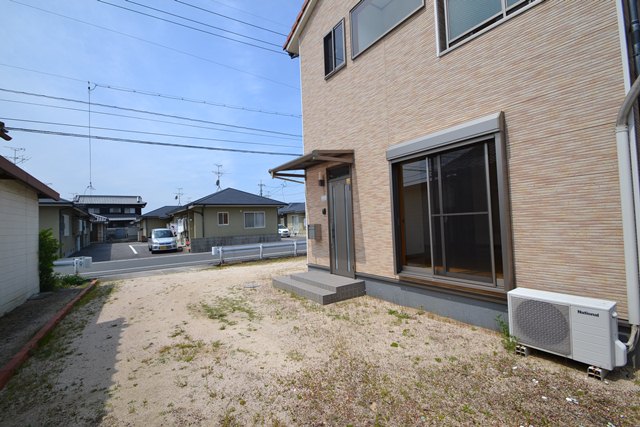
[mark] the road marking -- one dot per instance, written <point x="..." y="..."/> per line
<point x="134" y="251"/>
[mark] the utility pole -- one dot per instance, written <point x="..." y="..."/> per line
<point x="261" y="185"/>
<point x="178" y="195"/>
<point x="17" y="159"/>
<point x="218" y="173"/>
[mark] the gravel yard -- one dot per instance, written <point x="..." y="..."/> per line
<point x="223" y="347"/>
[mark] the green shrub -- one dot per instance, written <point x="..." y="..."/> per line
<point x="47" y="253"/>
<point x="70" y="281"/>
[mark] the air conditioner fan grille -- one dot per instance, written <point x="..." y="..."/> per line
<point x="541" y="324"/>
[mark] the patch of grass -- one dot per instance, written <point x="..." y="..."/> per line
<point x="295" y="355"/>
<point x="99" y="291"/>
<point x="338" y="316"/>
<point x="509" y="342"/>
<point x="399" y="315"/>
<point x="177" y="331"/>
<point x="394" y="344"/>
<point x="225" y="306"/>
<point x="184" y="351"/>
<point x="229" y="264"/>
<point x="70" y="281"/>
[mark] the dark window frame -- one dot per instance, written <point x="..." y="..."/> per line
<point x="355" y="53"/>
<point x="442" y="22"/>
<point x="329" y="52"/>
<point x="489" y="133"/>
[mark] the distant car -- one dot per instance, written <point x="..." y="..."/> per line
<point x="162" y="239"/>
<point x="283" y="231"/>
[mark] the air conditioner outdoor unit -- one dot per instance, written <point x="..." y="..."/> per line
<point x="580" y="328"/>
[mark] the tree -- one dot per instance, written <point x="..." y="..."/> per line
<point x="47" y="253"/>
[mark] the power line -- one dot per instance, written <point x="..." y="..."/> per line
<point x="57" y="98"/>
<point x="146" y="119"/>
<point x="148" y="133"/>
<point x="229" y="17"/>
<point x="137" y="141"/>
<point x="204" y="23"/>
<point x="251" y="14"/>
<point x="195" y="101"/>
<point x="240" y="70"/>
<point x="160" y="95"/>
<point x="193" y="28"/>
<point x="43" y="72"/>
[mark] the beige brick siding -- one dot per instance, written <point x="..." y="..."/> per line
<point x="555" y="71"/>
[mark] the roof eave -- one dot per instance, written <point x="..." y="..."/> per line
<point x="42" y="190"/>
<point x="292" y="44"/>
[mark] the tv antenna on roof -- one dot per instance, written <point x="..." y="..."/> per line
<point x="90" y="186"/>
<point x="178" y="195"/>
<point x="218" y="173"/>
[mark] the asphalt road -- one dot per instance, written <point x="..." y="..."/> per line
<point x="123" y="260"/>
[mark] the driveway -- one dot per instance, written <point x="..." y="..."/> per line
<point x="100" y="252"/>
<point x="221" y="346"/>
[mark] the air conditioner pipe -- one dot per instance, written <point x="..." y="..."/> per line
<point x="628" y="213"/>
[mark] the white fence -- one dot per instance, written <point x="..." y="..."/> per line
<point x="258" y="251"/>
<point x="78" y="263"/>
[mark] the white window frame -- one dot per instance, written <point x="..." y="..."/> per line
<point x="332" y="33"/>
<point x="354" y="55"/>
<point x="254" y="213"/>
<point x="444" y="45"/>
<point x="223" y="224"/>
<point x="66" y="223"/>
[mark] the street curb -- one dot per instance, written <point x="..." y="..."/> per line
<point x="7" y="370"/>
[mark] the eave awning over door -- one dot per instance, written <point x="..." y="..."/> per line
<point x="307" y="161"/>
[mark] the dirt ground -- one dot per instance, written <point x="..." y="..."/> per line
<point x="223" y="347"/>
<point x="18" y="326"/>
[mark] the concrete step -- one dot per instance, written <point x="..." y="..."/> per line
<point x="330" y="282"/>
<point x="320" y="287"/>
<point x="305" y="290"/>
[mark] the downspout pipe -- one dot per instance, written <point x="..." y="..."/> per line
<point x="628" y="214"/>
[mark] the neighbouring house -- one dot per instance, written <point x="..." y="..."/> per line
<point x="114" y="216"/>
<point x="19" y="193"/>
<point x="456" y="150"/>
<point x="157" y="218"/>
<point x="228" y="217"/>
<point x="69" y="224"/>
<point x="293" y="217"/>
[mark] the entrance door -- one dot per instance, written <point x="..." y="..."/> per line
<point x="341" y="222"/>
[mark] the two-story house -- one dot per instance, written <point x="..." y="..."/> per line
<point x="456" y="150"/>
<point x="118" y="213"/>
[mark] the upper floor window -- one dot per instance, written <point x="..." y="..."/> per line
<point x="373" y="19"/>
<point x="334" y="49"/>
<point x="464" y="18"/>
<point x="129" y="210"/>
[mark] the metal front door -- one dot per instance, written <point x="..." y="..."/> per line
<point x="341" y="223"/>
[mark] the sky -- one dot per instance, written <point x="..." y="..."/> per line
<point x="74" y="73"/>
